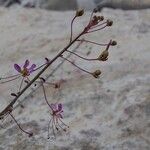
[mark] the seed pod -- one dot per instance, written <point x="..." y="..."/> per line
<point x="96" y="73"/>
<point x="103" y="56"/>
<point x="113" y="43"/>
<point x="109" y="22"/>
<point x="79" y="12"/>
<point x="100" y="18"/>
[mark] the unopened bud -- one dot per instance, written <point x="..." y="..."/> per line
<point x="109" y="22"/>
<point x="79" y="12"/>
<point x="31" y="134"/>
<point x="13" y="94"/>
<point x="113" y="43"/>
<point x="95" y="10"/>
<point x="100" y="18"/>
<point x="103" y="56"/>
<point x="96" y="73"/>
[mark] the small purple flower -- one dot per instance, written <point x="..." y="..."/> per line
<point x="25" y="70"/>
<point x="57" y="109"/>
<point x="56" y="122"/>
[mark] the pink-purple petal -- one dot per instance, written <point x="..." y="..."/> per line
<point x="59" y="107"/>
<point x="33" y="66"/>
<point x="26" y="64"/>
<point x="31" y="69"/>
<point x="53" y="106"/>
<point x="17" y="67"/>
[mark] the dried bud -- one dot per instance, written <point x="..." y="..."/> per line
<point x="79" y="12"/>
<point x="96" y="73"/>
<point x="42" y="79"/>
<point x="95" y="10"/>
<point x="109" y="22"/>
<point x="103" y="56"/>
<point x="13" y="94"/>
<point x="26" y="81"/>
<point x="100" y="18"/>
<point x="95" y="18"/>
<point x="47" y="60"/>
<point x="113" y="43"/>
<point x="57" y="85"/>
<point x="31" y="134"/>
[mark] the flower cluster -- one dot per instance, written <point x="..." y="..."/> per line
<point x="56" y="119"/>
<point x="25" y="70"/>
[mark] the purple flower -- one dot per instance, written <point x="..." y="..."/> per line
<point x="25" y="70"/>
<point x="57" y="109"/>
<point x="56" y="122"/>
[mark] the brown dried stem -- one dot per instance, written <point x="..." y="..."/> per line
<point x="5" y="111"/>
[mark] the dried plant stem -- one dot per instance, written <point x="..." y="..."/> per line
<point x="99" y="25"/>
<point x="72" y="28"/>
<point x="30" y="134"/>
<point x="10" y="76"/>
<point x="97" y="29"/>
<point x="10" y="80"/>
<point x="45" y="97"/>
<point x="76" y="65"/>
<point x="53" y="71"/>
<point x="87" y="41"/>
<point x="88" y="59"/>
<point x="2" y="113"/>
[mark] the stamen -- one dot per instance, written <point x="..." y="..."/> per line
<point x="39" y="67"/>
<point x="49" y="127"/>
<point x="45" y="97"/>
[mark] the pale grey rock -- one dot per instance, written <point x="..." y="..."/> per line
<point x="123" y="4"/>
<point x="51" y="4"/>
<point x="110" y="113"/>
<point x="7" y="3"/>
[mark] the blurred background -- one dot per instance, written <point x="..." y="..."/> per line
<point x="74" y="4"/>
<point x="109" y="113"/>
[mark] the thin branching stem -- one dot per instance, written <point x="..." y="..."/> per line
<point x="53" y="71"/>
<point x="38" y="75"/>
<point x="88" y="59"/>
<point x="76" y="65"/>
<point x="49" y="123"/>
<point x="72" y="27"/>
<point x="29" y="133"/>
<point x="9" y="77"/>
<point x="97" y="29"/>
<point x="45" y="97"/>
<point x="10" y="80"/>
<point x="87" y="41"/>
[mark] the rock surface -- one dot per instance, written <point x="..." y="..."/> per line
<point x="123" y="4"/>
<point x="110" y="113"/>
<point x="74" y="4"/>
